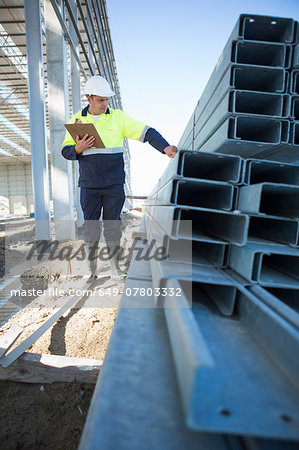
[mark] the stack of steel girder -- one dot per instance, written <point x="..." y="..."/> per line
<point x="250" y="105"/>
<point x="229" y="229"/>
<point x="270" y="196"/>
<point x="227" y="277"/>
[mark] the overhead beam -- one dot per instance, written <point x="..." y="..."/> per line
<point x="89" y="34"/>
<point x="67" y="36"/>
<point x="90" y="9"/>
<point x="78" y="33"/>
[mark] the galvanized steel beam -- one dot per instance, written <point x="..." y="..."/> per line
<point x="139" y="349"/>
<point x="270" y="198"/>
<point x="262" y="53"/>
<point x="268" y="265"/>
<point x="289" y="298"/>
<point x="221" y="289"/>
<point x="279" y="300"/>
<point x="239" y="77"/>
<point x="295" y="107"/>
<point x="208" y="374"/>
<point x="266" y="28"/>
<point x="256" y="28"/>
<point x="294" y="88"/>
<point x="193" y="192"/>
<point x="285" y="152"/>
<point x="61" y="169"/>
<point x="208" y="225"/>
<point x="239" y="103"/>
<point x="202" y="166"/>
<point x="247" y="136"/>
<point x="273" y="229"/>
<point x="184" y="250"/>
<point x="259" y="171"/>
<point x="36" y="84"/>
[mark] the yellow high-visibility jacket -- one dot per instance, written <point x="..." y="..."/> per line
<point x="105" y="167"/>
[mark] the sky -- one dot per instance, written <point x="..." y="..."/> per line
<point x="165" y="52"/>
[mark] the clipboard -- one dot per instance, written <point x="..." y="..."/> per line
<point x="80" y="129"/>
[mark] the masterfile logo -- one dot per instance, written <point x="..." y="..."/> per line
<point x="56" y="250"/>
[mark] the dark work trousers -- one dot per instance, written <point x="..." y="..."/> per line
<point x="108" y="200"/>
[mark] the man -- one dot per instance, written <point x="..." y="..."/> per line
<point x="102" y="169"/>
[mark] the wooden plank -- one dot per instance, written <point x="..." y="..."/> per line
<point x="139" y="235"/>
<point x="5" y="361"/>
<point x="9" y="337"/>
<point x="36" y="368"/>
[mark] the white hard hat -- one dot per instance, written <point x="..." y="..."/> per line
<point x="97" y="85"/>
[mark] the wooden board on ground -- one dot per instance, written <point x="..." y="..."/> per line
<point x="9" y="337"/>
<point x="5" y="361"/>
<point x="35" y="368"/>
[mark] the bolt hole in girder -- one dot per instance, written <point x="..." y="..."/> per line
<point x="225" y="412"/>
<point x="286" y="418"/>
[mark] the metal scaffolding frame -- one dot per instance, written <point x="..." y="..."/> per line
<point x="89" y="51"/>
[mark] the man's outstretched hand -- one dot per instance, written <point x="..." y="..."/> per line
<point x="171" y="151"/>
<point x="84" y="143"/>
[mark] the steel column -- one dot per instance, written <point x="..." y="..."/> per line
<point x="36" y="84"/>
<point x="61" y="169"/>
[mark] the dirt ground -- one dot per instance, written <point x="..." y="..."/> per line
<point x="52" y="416"/>
<point x="35" y="417"/>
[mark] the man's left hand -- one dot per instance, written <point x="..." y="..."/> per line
<point x="171" y="151"/>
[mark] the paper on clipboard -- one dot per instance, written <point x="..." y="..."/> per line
<point x="81" y="129"/>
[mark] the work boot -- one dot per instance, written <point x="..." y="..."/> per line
<point x="92" y="260"/>
<point x="113" y="248"/>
